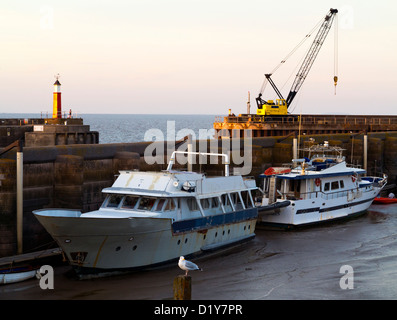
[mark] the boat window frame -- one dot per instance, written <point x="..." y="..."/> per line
<point x="238" y="203"/>
<point x="164" y="200"/>
<point x="174" y="205"/>
<point x="109" y="197"/>
<point x="129" y="207"/>
<point x="227" y="205"/>
<point x="138" y="205"/>
<point x="192" y="204"/>
<point x="248" y="202"/>
<point x="205" y="203"/>
<point x="214" y="202"/>
<point x="334" y="185"/>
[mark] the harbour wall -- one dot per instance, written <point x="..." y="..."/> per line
<point x="73" y="176"/>
<point x="46" y="132"/>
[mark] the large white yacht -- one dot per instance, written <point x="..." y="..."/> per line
<point x="149" y="218"/>
<point x="316" y="190"/>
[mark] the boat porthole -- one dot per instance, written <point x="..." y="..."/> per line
<point x="118" y="248"/>
<point x="185" y="240"/>
<point x="249" y="227"/>
<point x="205" y="236"/>
<point x="245" y="227"/>
<point x="223" y="233"/>
<point x="216" y="234"/>
<point x="179" y="241"/>
<point x="228" y="231"/>
<point x="134" y="247"/>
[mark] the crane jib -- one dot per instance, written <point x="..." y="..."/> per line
<point x="303" y="71"/>
<point x="311" y="55"/>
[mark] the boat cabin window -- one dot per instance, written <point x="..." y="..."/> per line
<point x="170" y="205"/>
<point x="129" y="202"/>
<point x="246" y="199"/>
<point x="192" y="204"/>
<point x="226" y="203"/>
<point x="165" y="205"/>
<point x="236" y="201"/>
<point x="214" y="202"/>
<point x="209" y="203"/>
<point x="160" y="205"/>
<point x="334" y="185"/>
<point x="295" y="186"/>
<point x="205" y="204"/>
<point x="114" y="201"/>
<point x="146" y="203"/>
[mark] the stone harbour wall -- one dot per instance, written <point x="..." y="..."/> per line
<point x="73" y="176"/>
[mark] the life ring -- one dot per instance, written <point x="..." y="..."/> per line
<point x="354" y="179"/>
<point x="317" y="182"/>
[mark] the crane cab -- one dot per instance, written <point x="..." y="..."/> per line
<point x="271" y="108"/>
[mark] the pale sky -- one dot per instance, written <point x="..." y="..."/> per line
<point x="191" y="56"/>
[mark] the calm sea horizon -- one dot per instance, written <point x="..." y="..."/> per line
<point x="124" y="128"/>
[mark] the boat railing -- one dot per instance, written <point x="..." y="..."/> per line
<point x="377" y="181"/>
<point x="337" y="194"/>
<point x="309" y="119"/>
<point x="321" y="194"/>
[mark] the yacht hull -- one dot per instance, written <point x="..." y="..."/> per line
<point x="319" y="210"/>
<point x="99" y="244"/>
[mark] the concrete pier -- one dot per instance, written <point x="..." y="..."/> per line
<point x="46" y="132"/>
<point x="307" y="124"/>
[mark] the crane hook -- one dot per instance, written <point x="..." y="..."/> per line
<point x="335" y="82"/>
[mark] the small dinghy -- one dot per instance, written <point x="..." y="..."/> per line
<point x="384" y="200"/>
<point x="17" y="274"/>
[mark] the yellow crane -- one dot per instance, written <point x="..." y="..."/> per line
<point x="280" y="107"/>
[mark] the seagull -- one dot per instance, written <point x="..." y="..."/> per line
<point x="187" y="265"/>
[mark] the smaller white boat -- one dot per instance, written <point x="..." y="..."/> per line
<point x="17" y="274"/>
<point x="321" y="189"/>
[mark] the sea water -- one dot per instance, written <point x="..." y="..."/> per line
<point x="117" y="128"/>
<point x="125" y="128"/>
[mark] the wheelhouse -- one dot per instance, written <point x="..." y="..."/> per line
<point x="184" y="206"/>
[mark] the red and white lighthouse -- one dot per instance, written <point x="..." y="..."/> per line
<point x="57" y="105"/>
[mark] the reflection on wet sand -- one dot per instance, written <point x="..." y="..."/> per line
<point x="298" y="264"/>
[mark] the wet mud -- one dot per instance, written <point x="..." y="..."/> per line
<point x="299" y="264"/>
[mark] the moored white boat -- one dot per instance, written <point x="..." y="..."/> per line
<point x="321" y="189"/>
<point x="149" y="218"/>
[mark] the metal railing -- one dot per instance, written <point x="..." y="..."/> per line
<point x="324" y="195"/>
<point x="311" y="119"/>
